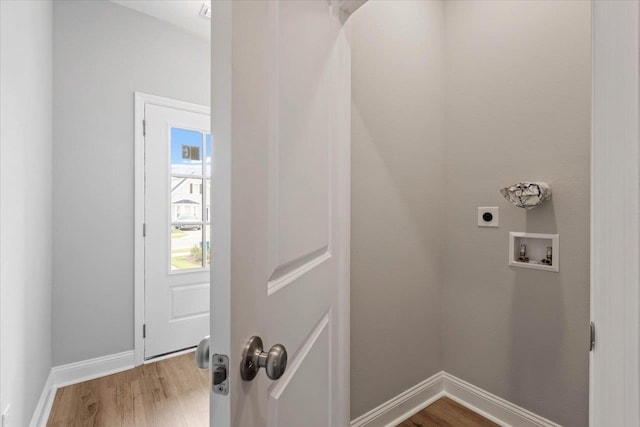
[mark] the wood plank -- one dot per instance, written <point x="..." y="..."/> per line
<point x="445" y="412"/>
<point x="172" y="393"/>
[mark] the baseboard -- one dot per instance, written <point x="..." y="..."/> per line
<point x="403" y="405"/>
<point x="86" y="370"/>
<point x="412" y="401"/>
<point x="490" y="406"/>
<point x="73" y="373"/>
<point x="43" y="408"/>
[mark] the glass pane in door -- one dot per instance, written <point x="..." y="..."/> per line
<point x="186" y="152"/>
<point x="186" y="247"/>
<point x="186" y="199"/>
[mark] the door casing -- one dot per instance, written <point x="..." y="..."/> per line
<point x="614" y="369"/>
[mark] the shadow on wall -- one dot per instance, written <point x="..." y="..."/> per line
<point x="537" y="311"/>
<point x="395" y="253"/>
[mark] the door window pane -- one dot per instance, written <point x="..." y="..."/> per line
<point x="186" y="152"/>
<point x="190" y="153"/>
<point x="208" y="154"/>
<point x="186" y="247"/>
<point x="186" y="199"/>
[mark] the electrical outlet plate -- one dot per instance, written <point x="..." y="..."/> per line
<point x="495" y="219"/>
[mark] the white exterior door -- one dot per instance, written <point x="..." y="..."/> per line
<point x="280" y="266"/>
<point x="177" y="261"/>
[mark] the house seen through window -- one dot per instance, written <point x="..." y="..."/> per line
<point x="190" y="188"/>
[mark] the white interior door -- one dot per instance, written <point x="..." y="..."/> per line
<point x="177" y="261"/>
<point x="281" y="208"/>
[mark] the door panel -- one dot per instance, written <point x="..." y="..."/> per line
<point x="281" y="186"/>
<point x="189" y="300"/>
<point x="293" y="392"/>
<point x="303" y="45"/>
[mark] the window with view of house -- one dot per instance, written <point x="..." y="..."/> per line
<point x="190" y="188"/>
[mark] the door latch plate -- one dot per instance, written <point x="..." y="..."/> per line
<point x="220" y="362"/>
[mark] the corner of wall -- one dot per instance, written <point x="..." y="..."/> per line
<point x="26" y="199"/>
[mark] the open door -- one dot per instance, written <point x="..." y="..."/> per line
<point x="176" y="265"/>
<point x="280" y="213"/>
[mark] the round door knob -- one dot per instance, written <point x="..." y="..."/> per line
<point x="202" y="353"/>
<point x="253" y="358"/>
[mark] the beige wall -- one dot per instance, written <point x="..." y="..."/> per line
<point x="397" y="203"/>
<point x="516" y="107"/>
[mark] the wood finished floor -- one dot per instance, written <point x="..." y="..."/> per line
<point x="172" y="393"/>
<point x="445" y="412"/>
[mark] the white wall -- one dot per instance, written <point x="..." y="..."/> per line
<point x="103" y="53"/>
<point x="397" y="198"/>
<point x="25" y="205"/>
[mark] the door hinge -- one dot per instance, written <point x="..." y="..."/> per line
<point x="144" y="127"/>
<point x="144" y="230"/>
<point x="592" y="336"/>
<point x="144" y="330"/>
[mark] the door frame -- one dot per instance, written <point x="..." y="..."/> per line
<point x="140" y="101"/>
<point x="614" y="368"/>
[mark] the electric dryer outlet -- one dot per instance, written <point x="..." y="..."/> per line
<point x="488" y="217"/>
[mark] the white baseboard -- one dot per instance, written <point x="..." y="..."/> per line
<point x="43" y="408"/>
<point x="73" y="373"/>
<point x="490" y="406"/>
<point x="412" y="401"/>
<point x="86" y="370"/>
<point x="403" y="405"/>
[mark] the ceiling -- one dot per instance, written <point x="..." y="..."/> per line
<point x="181" y="13"/>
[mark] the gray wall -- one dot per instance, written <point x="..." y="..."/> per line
<point x="102" y="54"/>
<point x="25" y="205"/>
<point x="518" y="108"/>
<point x="397" y="198"/>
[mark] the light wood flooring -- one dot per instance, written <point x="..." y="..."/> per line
<point x="445" y="412"/>
<point x="171" y="392"/>
<point x="174" y="393"/>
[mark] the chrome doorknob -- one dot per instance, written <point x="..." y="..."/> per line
<point x="253" y="358"/>
<point x="202" y="353"/>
